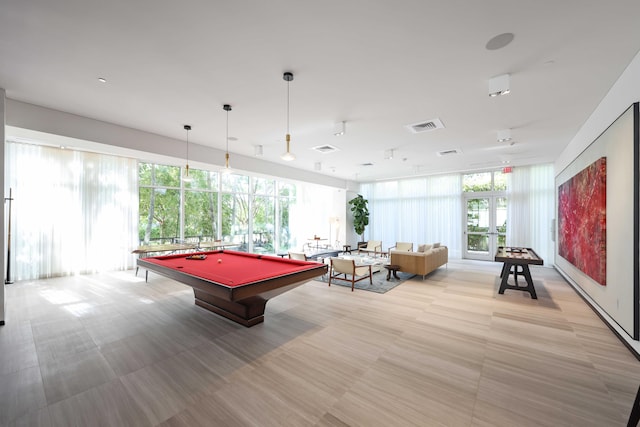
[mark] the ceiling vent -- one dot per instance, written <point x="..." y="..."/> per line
<point x="325" y="149"/>
<point x="426" y="126"/>
<point x="367" y="164"/>
<point x="449" y="152"/>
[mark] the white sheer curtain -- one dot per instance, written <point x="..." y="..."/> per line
<point x="420" y="210"/>
<point x="531" y="209"/>
<point x="312" y="214"/>
<point x="74" y="212"/>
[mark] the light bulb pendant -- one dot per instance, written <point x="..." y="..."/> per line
<point x="227" y="169"/>
<point x="186" y="177"/>
<point x="288" y="156"/>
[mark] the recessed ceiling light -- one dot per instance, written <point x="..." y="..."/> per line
<point x="102" y="80"/>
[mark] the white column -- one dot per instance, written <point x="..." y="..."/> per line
<point x="2" y="211"/>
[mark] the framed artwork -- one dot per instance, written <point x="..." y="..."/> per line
<point x="582" y="220"/>
<point x="598" y="222"/>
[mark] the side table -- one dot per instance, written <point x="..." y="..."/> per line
<point x="346" y="249"/>
<point x="392" y="268"/>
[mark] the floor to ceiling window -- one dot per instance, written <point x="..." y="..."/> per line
<point x="235" y="210"/>
<point x="200" y="205"/>
<point x="263" y="212"/>
<point x="159" y="203"/>
<point x="285" y="201"/>
<point x="253" y="213"/>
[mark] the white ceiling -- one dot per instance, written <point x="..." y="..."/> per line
<point x="378" y="66"/>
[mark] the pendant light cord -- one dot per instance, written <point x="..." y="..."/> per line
<point x="287" y="156"/>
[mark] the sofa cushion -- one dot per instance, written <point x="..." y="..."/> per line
<point x="423" y="248"/>
<point x="436" y="245"/>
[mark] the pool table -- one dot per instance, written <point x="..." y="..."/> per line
<point x="236" y="285"/>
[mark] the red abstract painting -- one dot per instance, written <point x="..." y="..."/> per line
<point x="582" y="220"/>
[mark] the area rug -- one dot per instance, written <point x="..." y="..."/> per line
<point x="380" y="284"/>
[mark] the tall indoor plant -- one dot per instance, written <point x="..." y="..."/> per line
<point x="360" y="214"/>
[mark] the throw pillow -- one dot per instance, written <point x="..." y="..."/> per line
<point x="436" y="245"/>
<point x="423" y="248"/>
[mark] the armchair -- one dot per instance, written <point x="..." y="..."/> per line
<point x="298" y="255"/>
<point x="374" y="246"/>
<point x="346" y="267"/>
<point x="402" y="246"/>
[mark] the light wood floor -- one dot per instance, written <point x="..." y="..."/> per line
<point x="111" y="350"/>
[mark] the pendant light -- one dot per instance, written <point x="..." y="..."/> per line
<point x="227" y="169"/>
<point x="288" y="156"/>
<point x="186" y="177"/>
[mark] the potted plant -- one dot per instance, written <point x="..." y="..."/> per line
<point x="360" y="214"/>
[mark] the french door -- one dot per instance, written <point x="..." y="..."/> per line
<point x="485" y="225"/>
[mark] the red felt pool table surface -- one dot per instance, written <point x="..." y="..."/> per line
<point x="239" y="286"/>
<point x="235" y="268"/>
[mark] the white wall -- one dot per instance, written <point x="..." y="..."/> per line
<point x="624" y="92"/>
<point x="4" y="232"/>
<point x="622" y="95"/>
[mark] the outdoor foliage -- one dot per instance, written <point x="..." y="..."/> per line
<point x="484" y="181"/>
<point x="160" y="212"/>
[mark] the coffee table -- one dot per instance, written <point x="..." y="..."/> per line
<point x="392" y="268"/>
<point x="376" y="263"/>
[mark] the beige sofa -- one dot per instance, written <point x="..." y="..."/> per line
<point x="421" y="263"/>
